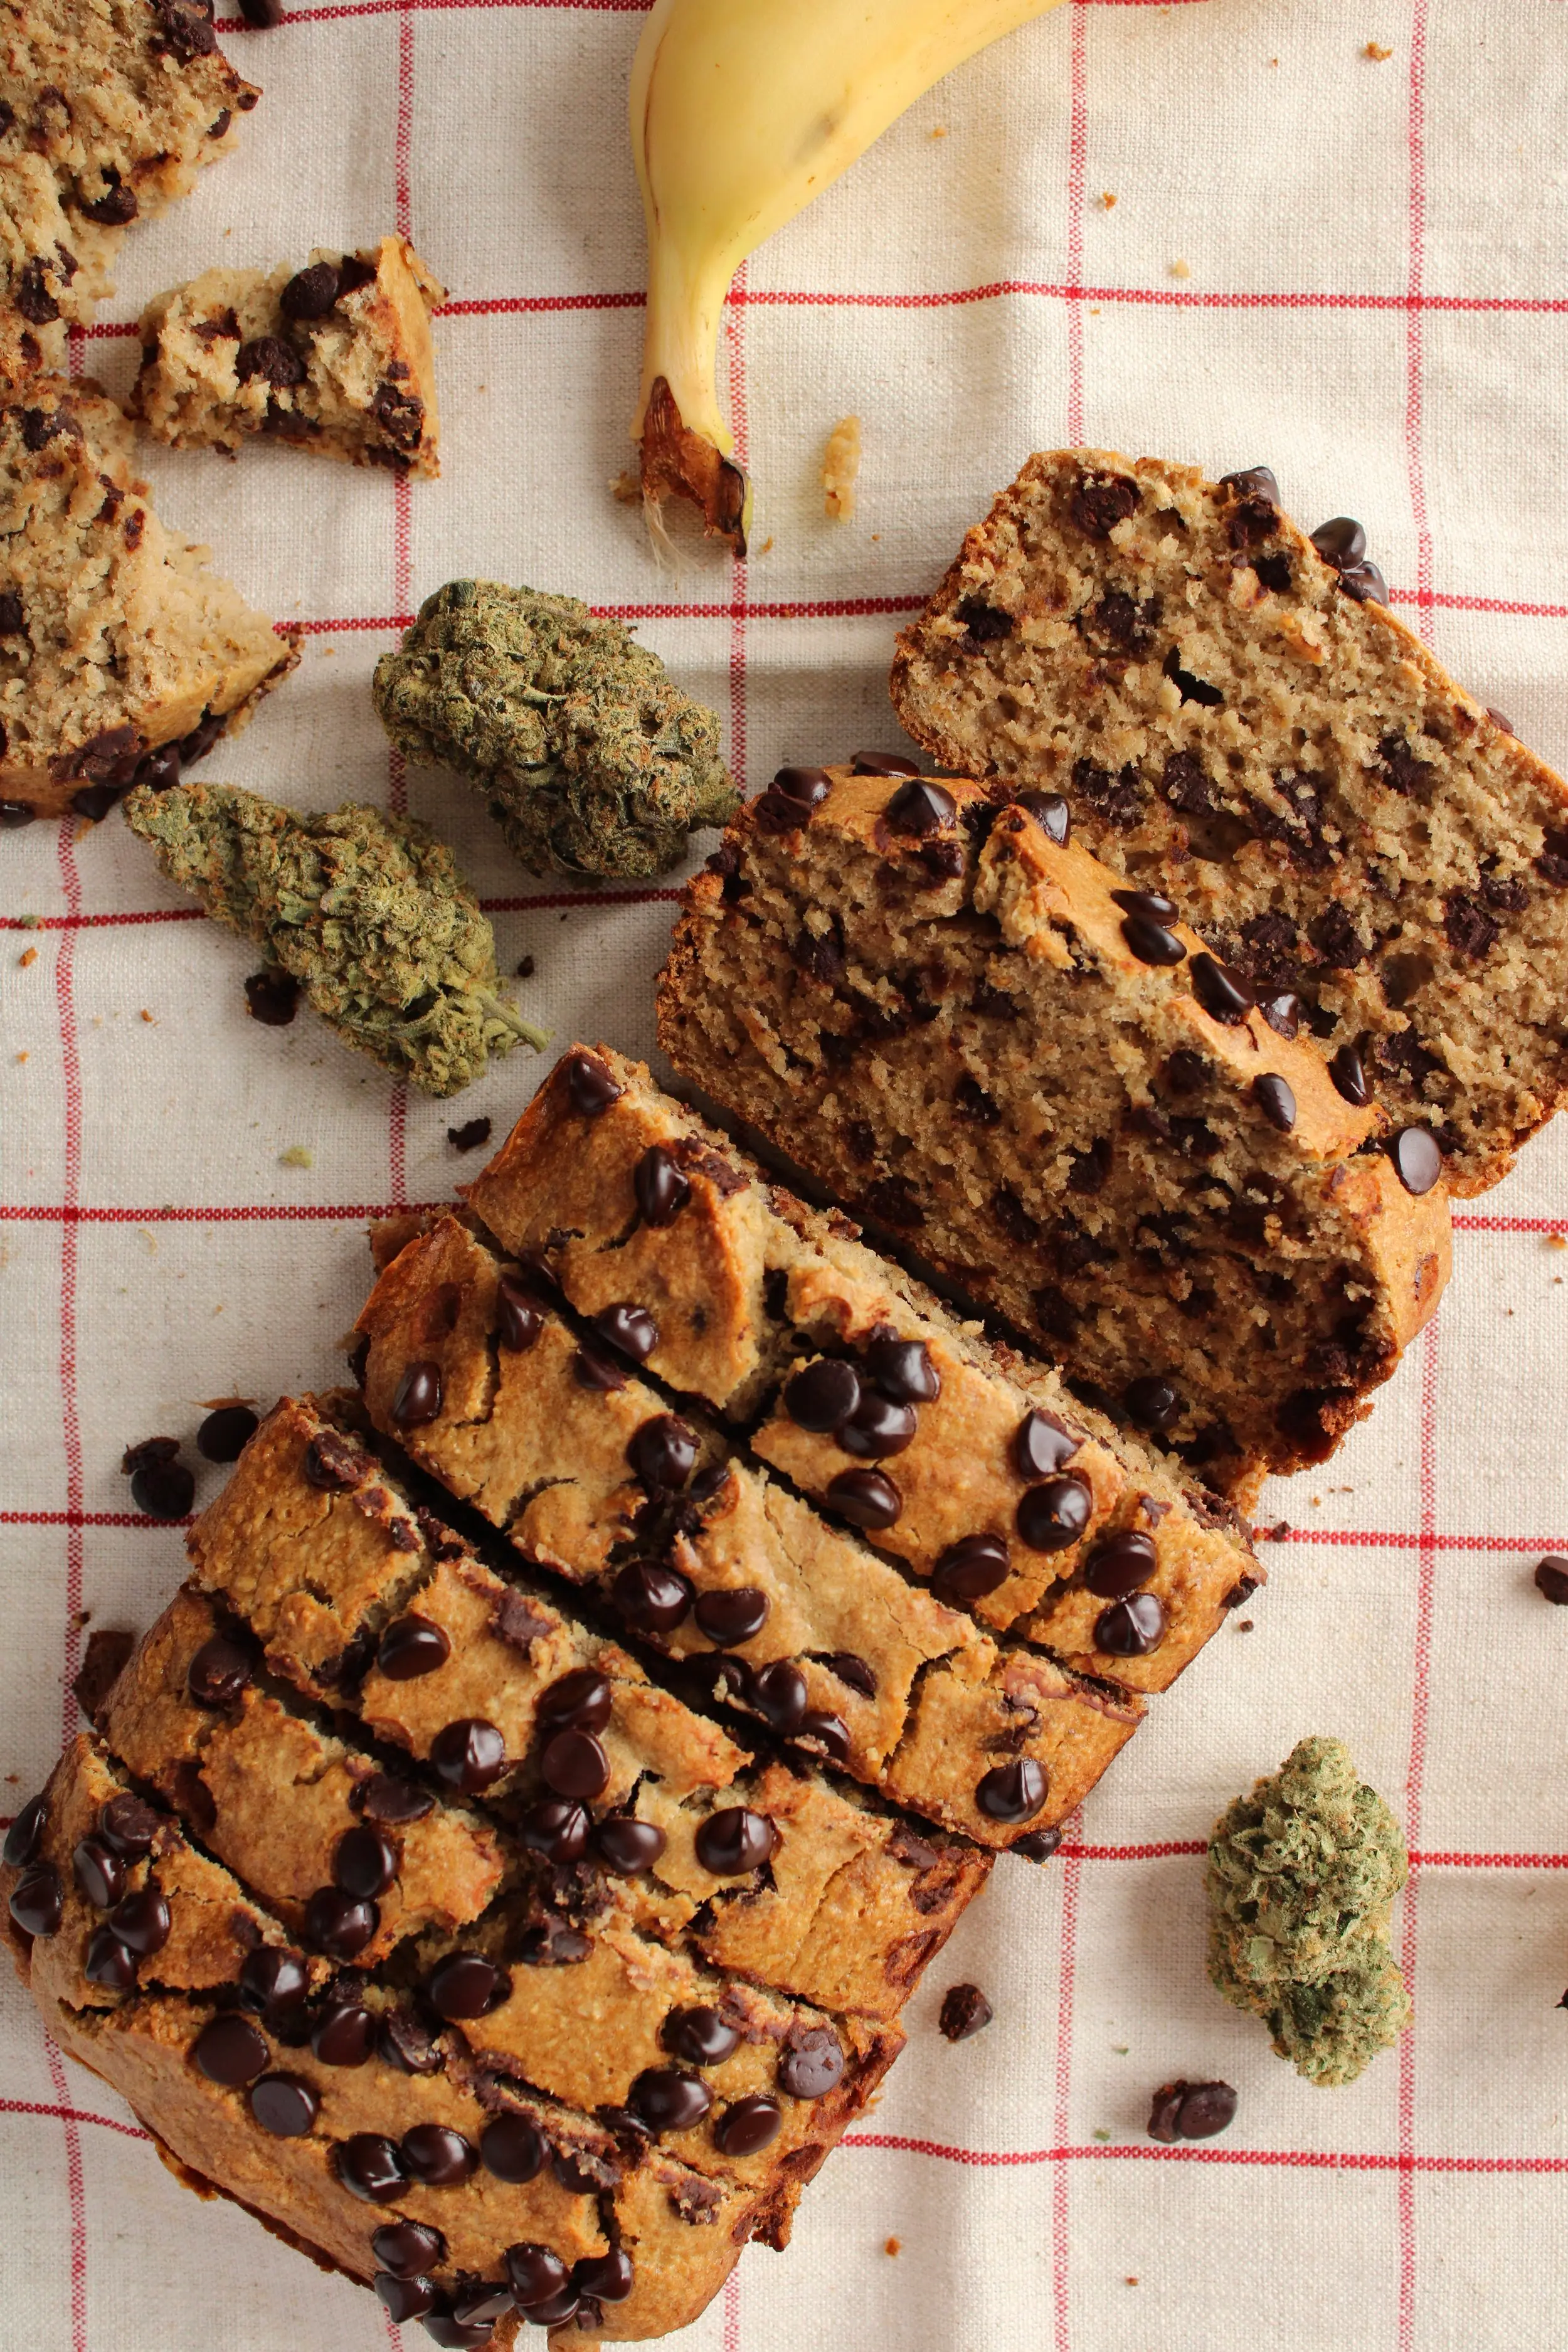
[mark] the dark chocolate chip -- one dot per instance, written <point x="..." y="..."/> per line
<point x="439" y="2157"/>
<point x="277" y="363"/>
<point x="533" y="2273"/>
<point x="229" y="2050"/>
<point x="1151" y="904"/>
<point x="370" y="2166"/>
<point x="1120" y="1564"/>
<point x="579" y="1701"/>
<point x="903" y="1371"/>
<point x="1365" y="583"/>
<point x="628" y="1847"/>
<point x="13" y="814"/>
<point x="109" y="1962"/>
<point x="1041" y="1445"/>
<point x="608" y="2277"/>
<point x="219" y="1673"/>
<point x="852" y="1670"/>
<point x="464" y="1985"/>
<point x="663" y="1452"/>
<point x="469" y="1754"/>
<point x="1349" y="1074"/>
<point x="407" y="2043"/>
<point x="343" y="2034"/>
<point x="99" y="1872"/>
<point x="1052" y="1516"/>
<point x="1038" y="1845"/>
<point x="882" y="764"/>
<point x="225" y="1434"/>
<point x="1224" y="996"/>
<point x="1417" y="1159"/>
<point x="272" y="1983"/>
<point x="1131" y="1628"/>
<point x="284" y="2106"/>
<point x="1551" y="1578"/>
<point x="668" y="2099"/>
<point x="446" y="2327"/>
<point x="418" y="1397"/>
<point x="965" y="2010"/>
<point x="879" y="1427"/>
<point x="733" y="1613"/>
<point x="747" y="2126"/>
<point x="662" y="1188"/>
<point x="557" y="1827"/>
<point x="650" y="1596"/>
<point x="141" y="1455"/>
<point x="735" y="1840"/>
<point x="1253" y="482"/>
<point x="589" y="1085"/>
<point x="1014" y="1791"/>
<point x="338" y="1925"/>
<point x="470" y="1135"/>
<point x="702" y="2036"/>
<point x="1050" y="813"/>
<point x="811" y="785"/>
<point x="970" y="1567"/>
<point x="1282" y="1012"/>
<point x="813" y="2064"/>
<point x="403" y="2298"/>
<point x="201" y="739"/>
<point x="1100" y="501"/>
<point x="1190" y="2111"/>
<point x="311" y="293"/>
<point x="630" y="1330"/>
<point x="412" y="1646"/>
<point x="550" y="1944"/>
<point x="575" y="1765"/>
<point x="365" y="1864"/>
<point x="1150" y="942"/>
<point x="1340" y="542"/>
<point x="1151" y="1402"/>
<point x="778" y="1693"/>
<point x="333" y="1462"/>
<point x="1275" y="1100"/>
<point x="391" y="1802"/>
<point x="519" y="1318"/>
<point x="597" y="1367"/>
<point x="920" y="806"/>
<point x="163" y="1490"/>
<point x="826" y="1734"/>
<point x="774" y="813"/>
<point x="25" y="1834"/>
<point x="261" y="16"/>
<point x="823" y="1396"/>
<point x="512" y="2148"/>
<point x="866" y="1499"/>
<point x="38" y="1900"/>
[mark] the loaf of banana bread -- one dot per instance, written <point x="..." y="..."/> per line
<point x="1237" y="720"/>
<point x="951" y="1015"/>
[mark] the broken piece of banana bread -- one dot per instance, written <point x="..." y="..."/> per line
<point x="335" y="357"/>
<point x="1237" y="720"/>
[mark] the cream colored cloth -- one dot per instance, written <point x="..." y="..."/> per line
<point x="1228" y="233"/>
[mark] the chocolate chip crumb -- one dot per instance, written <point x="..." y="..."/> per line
<point x="1551" y="1578"/>
<point x="468" y="1136"/>
<point x="965" y="2011"/>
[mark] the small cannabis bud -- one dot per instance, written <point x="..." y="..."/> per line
<point x="366" y="912"/>
<point x="591" y="761"/>
<point x="1301" y="1879"/>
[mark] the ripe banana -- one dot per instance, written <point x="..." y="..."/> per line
<point x="741" y="112"/>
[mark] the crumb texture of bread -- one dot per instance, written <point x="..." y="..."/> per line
<point x="335" y="356"/>
<point x="116" y="641"/>
<point x="1231" y="726"/>
<point x="1049" y="1089"/>
<point x="109" y="108"/>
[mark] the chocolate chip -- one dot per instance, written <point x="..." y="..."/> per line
<point x="225" y="1434"/>
<point x="1153" y="905"/>
<point x="163" y="1490"/>
<point x="468" y="1755"/>
<point x="970" y="1567"/>
<point x="1224" y="996"/>
<point x="412" y="1646"/>
<point x="556" y="1828"/>
<point x="852" y="1670"/>
<point x="272" y="1983"/>
<point x="1052" y="1517"/>
<point x="903" y="1371"/>
<point x="338" y="1925"/>
<point x="533" y="2273"/>
<point x="1100" y="501"/>
<point x="866" y="1499"/>
<point x="1151" y="1402"/>
<point x="552" y="1944"/>
<point x="1190" y="2111"/>
<point x="700" y="2035"/>
<point x="1550" y="1580"/>
<point x="284" y="2106"/>
<point x="1275" y="1100"/>
<point x="365" y="1864"/>
<point x="663" y="1452"/>
<point x="735" y="1840"/>
<point x="1038" y="1845"/>
<point x="311" y="293"/>
<point x="811" y="785"/>
<point x="628" y="1847"/>
<point x="1041" y="1445"/>
<point x="270" y="358"/>
<point x="219" y="1673"/>
<point x="589" y="1085"/>
<point x="823" y="1397"/>
<point x="392" y="1803"/>
<point x="13" y="814"/>
<point x="774" y="813"/>
<point x="1340" y="542"/>
<point x="369" y="2166"/>
<point x="882" y="764"/>
<point x="919" y="807"/>
<point x="1349" y="1074"/>
<point x="575" y="1765"/>
<point x="512" y="2148"/>
<point x="109" y="1962"/>
<point x="667" y="2099"/>
<point x="1150" y="942"/>
<point x="401" y="2298"/>
<point x="343" y="2034"/>
<point x="778" y="1692"/>
<point x="813" y="2064"/>
<point x="129" y="1825"/>
<point x="418" y="1397"/>
<point x="1417" y="1160"/>
<point x="1050" y="813"/>
<point x="578" y="1701"/>
<point x="1365" y="583"/>
<point x="406" y="2043"/>
<point x="1131" y="1628"/>
<point x="965" y="2010"/>
<point x="608" y="2277"/>
<point x="25" y="1834"/>
<point x="1469" y="930"/>
<point x="748" y="2125"/>
<point x="879" y="1427"/>
<point x="439" y="2157"/>
<point x="1282" y="1012"/>
<point x="99" y="1872"/>
<point x="597" y="1367"/>
<point x="229" y="2050"/>
<point x="272" y="997"/>
<point x="470" y="1135"/>
<point x="630" y="1330"/>
<point x="1120" y="1564"/>
<point x="662" y="1189"/>
<point x="1014" y="1791"/>
<point x="333" y="1462"/>
<point x="465" y="1985"/>
<point x="1253" y="482"/>
<point x="732" y="1614"/>
<point x="651" y="1597"/>
<point x="519" y="1318"/>
<point x="38" y="1900"/>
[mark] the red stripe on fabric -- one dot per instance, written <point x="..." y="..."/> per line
<point x="88" y="1519"/>
<point x="1136" y="2151"/>
<point x="1417" y="1764"/>
<point x="1395" y="1540"/>
<point x="345" y="8"/>
<point x="75" y="2192"/>
<point x="1078" y="143"/>
<point x="71" y="2114"/>
<point x="266" y="1213"/>
<point x="1456" y="1859"/>
<point x="731" y="2340"/>
<point x="1061" y="2305"/>
<point x="1414" y="454"/>
<point x="70" y="1419"/>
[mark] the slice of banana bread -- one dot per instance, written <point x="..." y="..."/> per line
<point x="108" y="110"/>
<point x="335" y="357"/>
<point x="1237" y="720"/>
<point x="951" y="1017"/>
<point x="121" y="655"/>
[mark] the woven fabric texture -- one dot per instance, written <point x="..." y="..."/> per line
<point x="1225" y="231"/>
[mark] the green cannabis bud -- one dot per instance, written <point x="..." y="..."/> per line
<point x="591" y="761"/>
<point x="1301" y="1879"/>
<point x="366" y="912"/>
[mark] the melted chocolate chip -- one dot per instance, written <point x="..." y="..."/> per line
<point x="650" y="1596"/>
<point x="1041" y="1445"/>
<point x="1223" y="997"/>
<point x="920" y="807"/>
<point x="406" y="2043"/>
<point x="230" y="2050"/>
<point x="1052" y="1517"/>
<point x="882" y="764"/>
<point x="575" y="1765"/>
<point x="663" y="1452"/>
<point x="810" y="785"/>
<point x="970" y="1567"/>
<point x="597" y="1367"/>
<point x="735" y="1840"/>
<point x="1340" y="542"/>
<point x="403" y="2298"/>
<point x="284" y="2106"/>
<point x="628" y="1847"/>
<point x="813" y="2064"/>
<point x="439" y="2157"/>
<point x="866" y="1499"/>
<point x="1365" y="583"/>
<point x="163" y="1490"/>
<point x="589" y="1085"/>
<point x="1417" y="1159"/>
<point x="1150" y="942"/>
<point x="1131" y="1628"/>
<point x="468" y="1755"/>
<point x="465" y="1985"/>
<point x="1100" y="501"/>
<point x="748" y="2125"/>
<point x="127" y="1824"/>
<point x="965" y="2010"/>
<point x="1014" y="1791"/>
<point x="733" y="1615"/>
<point x="512" y="2148"/>
<point x="823" y="1396"/>
<point x="1036" y="1845"/>
<point x="630" y="1330"/>
<point x="392" y="1803"/>
<point x="311" y="293"/>
<point x="1349" y="1074"/>
<point x="273" y="1984"/>
<point x="270" y="358"/>
<point x="1120" y="1564"/>
<point x="1282" y="1012"/>
<point x="1253" y="482"/>
<point x="662" y="1188"/>
<point x="333" y="1462"/>
<point x="410" y="1647"/>
<point x="219" y="1674"/>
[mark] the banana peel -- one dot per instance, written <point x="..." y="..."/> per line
<point x="743" y="112"/>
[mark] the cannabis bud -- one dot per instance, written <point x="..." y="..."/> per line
<point x="591" y="761"/>
<point x="366" y="912"/>
<point x="1301" y="1879"/>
